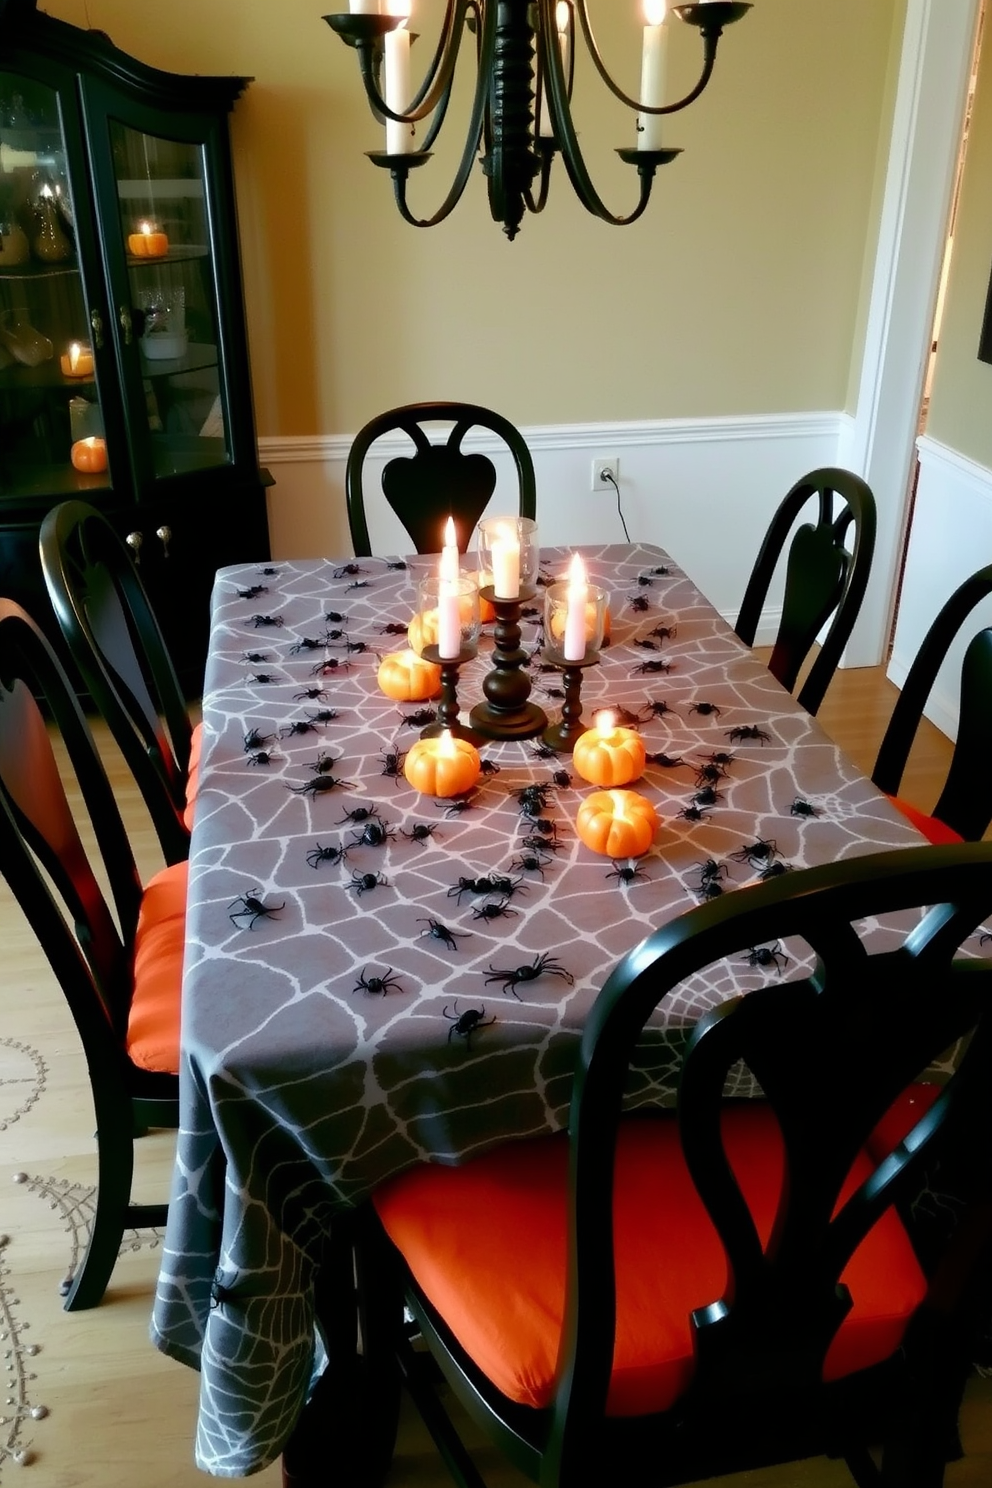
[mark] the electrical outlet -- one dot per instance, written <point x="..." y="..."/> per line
<point x="603" y="467"/>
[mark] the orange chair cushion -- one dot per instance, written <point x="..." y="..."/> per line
<point x="486" y="1242"/>
<point x="193" y="776"/>
<point x="159" y="942"/>
<point x="900" y="1118"/>
<point x="934" y="831"/>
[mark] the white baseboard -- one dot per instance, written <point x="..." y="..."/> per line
<point x="704" y="489"/>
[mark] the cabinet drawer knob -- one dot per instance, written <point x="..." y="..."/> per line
<point x="164" y="535"/>
<point x="134" y="541"/>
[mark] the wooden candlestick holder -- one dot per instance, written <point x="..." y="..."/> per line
<point x="447" y="709"/>
<point x="506" y="713"/>
<point x="563" y="734"/>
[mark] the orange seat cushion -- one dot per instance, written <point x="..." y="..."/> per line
<point x="486" y="1242"/>
<point x="934" y="831"/>
<point x="193" y="776"/>
<point x="159" y="942"/>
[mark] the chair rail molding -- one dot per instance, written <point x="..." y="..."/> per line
<point x="681" y="482"/>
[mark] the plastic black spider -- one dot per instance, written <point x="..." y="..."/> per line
<point x="541" y="965"/>
<point x="259" y="620"/>
<point x="705" y="709"/>
<point x="692" y="813"/>
<point x="454" y="805"/>
<point x="330" y="664"/>
<point x="466" y="1023"/>
<point x="253" y="908"/>
<point x="398" y="564"/>
<point x="253" y="591"/>
<point x="354" y="647"/>
<point x="627" y="874"/>
<point x="542" y="752"/>
<point x="489" y="767"/>
<point x="322" y="715"/>
<point x="298" y="726"/>
<point x="318" y="855"/>
<point x="268" y="571"/>
<point x="393" y="628"/>
<point x="377" y="986"/>
<point x="255" y="740"/>
<point x="313" y="693"/>
<point x="420" y="718"/>
<point x="800" y="807"/>
<point x="658" y="708"/>
<point x="348" y="571"/>
<point x="363" y="882"/>
<point x="255" y="657"/>
<point x="655" y="665"/>
<point x="306" y="643"/>
<point x="711" y="871"/>
<point x="720" y="757"/>
<point x="334" y="617"/>
<point x="392" y="764"/>
<point x="561" y="778"/>
<point x="437" y="931"/>
<point x="261" y="757"/>
<point x="492" y="883"/>
<point x="359" y="814"/>
<point x="261" y="678"/>
<point x="709" y="773"/>
<point x="536" y="844"/>
<point x="545" y="827"/>
<point x="645" y="581"/>
<point x="664" y="632"/>
<point x="532" y="862"/>
<point x="322" y="765"/>
<point x="759" y="854"/>
<point x="645" y="644"/>
<point x="359" y="584"/>
<point x="319" y="785"/>
<point x="748" y="731"/>
<point x="498" y="910"/>
<point x="536" y="793"/>
<point x="639" y="602"/>
<point x="555" y="693"/>
<point x="706" y="796"/>
<point x="774" y="870"/>
<point x="420" y="833"/>
<point x="374" y="834"/>
<point x="334" y="635"/>
<point x="772" y="955"/>
<point x="661" y="570"/>
<point x="666" y="761"/>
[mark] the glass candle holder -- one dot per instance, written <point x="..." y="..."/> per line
<point x="574" y="624"/>
<point x="448" y="612"/>
<point x="509" y="557"/>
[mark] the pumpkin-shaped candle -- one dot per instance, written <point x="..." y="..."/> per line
<point x="89" y="455"/>
<point x="617" y="823"/>
<point x="442" y="766"/>
<point x="407" y="677"/>
<point x="607" y="755"/>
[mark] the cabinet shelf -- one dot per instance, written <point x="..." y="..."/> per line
<point x="47" y="374"/>
<point x="41" y="271"/>
<point x="197" y="357"/>
<point x="56" y="482"/>
<point x="180" y="253"/>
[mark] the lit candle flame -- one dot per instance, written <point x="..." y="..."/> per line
<point x="654" y="12"/>
<point x="446" y="744"/>
<point x="605" y="722"/>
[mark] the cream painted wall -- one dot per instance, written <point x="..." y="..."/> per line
<point x="738" y="293"/>
<point x="961" y="396"/>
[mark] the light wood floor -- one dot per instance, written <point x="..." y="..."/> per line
<point x="119" y="1414"/>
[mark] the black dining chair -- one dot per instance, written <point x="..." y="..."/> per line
<point x="117" y="644"/>
<point x="825" y="580"/>
<point x="665" y="1296"/>
<point x="964" y="809"/>
<point x="118" y="960"/>
<point x="439" y="479"/>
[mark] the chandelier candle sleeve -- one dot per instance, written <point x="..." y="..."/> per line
<point x="364" y="7"/>
<point x="396" y="61"/>
<point x="562" y="17"/>
<point x="653" y="55"/>
<point x="574" y="648"/>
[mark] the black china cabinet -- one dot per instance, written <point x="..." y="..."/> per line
<point x="124" y="375"/>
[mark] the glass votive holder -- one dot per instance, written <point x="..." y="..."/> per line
<point x="509" y="556"/>
<point x="448" y="611"/>
<point x="573" y="629"/>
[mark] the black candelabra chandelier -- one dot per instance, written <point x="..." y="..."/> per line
<point x="521" y="114"/>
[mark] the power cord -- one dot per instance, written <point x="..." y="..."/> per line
<point x="609" y="476"/>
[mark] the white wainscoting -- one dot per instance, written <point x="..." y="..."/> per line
<point x="950" y="537"/>
<point x="704" y="489"/>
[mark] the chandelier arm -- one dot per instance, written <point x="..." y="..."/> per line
<point x="485" y="45"/>
<point x="710" y="38"/>
<point x="546" y="149"/>
<point x="438" y="79"/>
<point x="565" y="132"/>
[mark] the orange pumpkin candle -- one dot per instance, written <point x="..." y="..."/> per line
<point x="147" y="242"/>
<point x="408" y="678"/>
<point x="89" y="455"/>
<point x="77" y="361"/>
<point x="607" y="755"/>
<point x="617" y="823"/>
<point x="443" y="766"/>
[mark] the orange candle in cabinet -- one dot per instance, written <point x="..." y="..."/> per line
<point x="77" y="361"/>
<point x="445" y="766"/>
<point x="408" y="678"/>
<point x="607" y="755"/>
<point x="147" y="242"/>
<point x="617" y="823"/>
<point x="89" y="455"/>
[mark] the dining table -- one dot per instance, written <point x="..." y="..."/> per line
<point x="329" y="969"/>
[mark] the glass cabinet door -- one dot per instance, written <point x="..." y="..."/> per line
<point x="164" y="227"/>
<point x="52" y="437"/>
